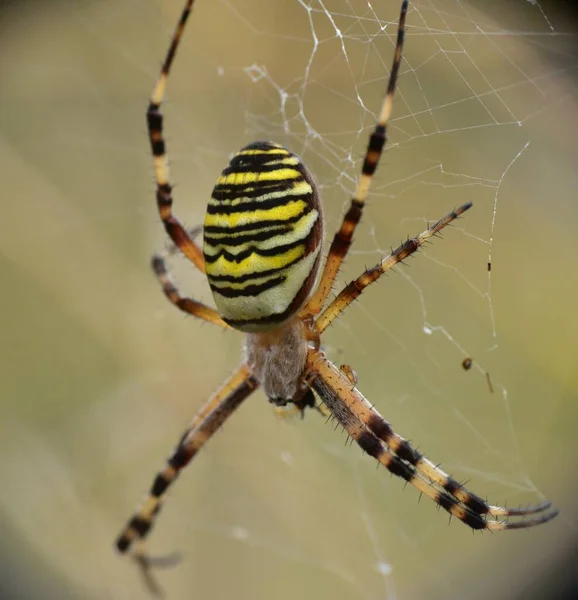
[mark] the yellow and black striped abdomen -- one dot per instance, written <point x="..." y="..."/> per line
<point x="262" y="237"/>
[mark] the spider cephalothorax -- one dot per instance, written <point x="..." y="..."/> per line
<point x="261" y="254"/>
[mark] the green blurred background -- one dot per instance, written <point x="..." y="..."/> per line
<point x="99" y="374"/>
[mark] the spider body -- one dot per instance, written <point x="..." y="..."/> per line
<point x="262" y="240"/>
<point x="262" y="237"/>
<point x="261" y="255"/>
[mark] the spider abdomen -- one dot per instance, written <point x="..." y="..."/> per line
<point x="262" y="237"/>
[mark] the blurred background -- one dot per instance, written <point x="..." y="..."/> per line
<point x="99" y="375"/>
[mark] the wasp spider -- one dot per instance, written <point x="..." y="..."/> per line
<point x="261" y="253"/>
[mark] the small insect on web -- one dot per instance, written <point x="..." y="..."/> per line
<point x="261" y="254"/>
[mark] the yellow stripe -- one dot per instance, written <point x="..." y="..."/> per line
<point x="254" y="263"/>
<point x="275" y="150"/>
<point x="277" y="213"/>
<point x="299" y="231"/>
<point x="270" y="302"/>
<point x="253" y="177"/>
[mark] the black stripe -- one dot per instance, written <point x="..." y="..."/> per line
<point x="158" y="147"/>
<point x="231" y="192"/>
<point x="376" y="143"/>
<point x="370" y="444"/>
<point x="406" y="452"/>
<point x="401" y="469"/>
<point x="446" y="501"/>
<point x="253" y="250"/>
<point x="164" y="196"/>
<point x="285" y="200"/>
<point x="180" y="458"/>
<point x="472" y="501"/>
<point x="140" y="525"/>
<point x="477" y="504"/>
<point x="122" y="543"/>
<point x="154" y="118"/>
<point x="383" y="430"/>
<point x="380" y="427"/>
<point x="224" y="193"/>
<point x="160" y="485"/>
<point x="248" y="164"/>
<point x="471" y="519"/>
<point x="250" y="290"/>
<point x="238" y="240"/>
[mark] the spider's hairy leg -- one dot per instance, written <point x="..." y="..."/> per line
<point x="371" y="418"/>
<point x="188" y="305"/>
<point x="372" y="433"/>
<point x="210" y="418"/>
<point x="173" y="226"/>
<point x="354" y="289"/>
<point x="343" y="238"/>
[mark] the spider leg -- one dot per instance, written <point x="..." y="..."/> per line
<point x="172" y="249"/>
<point x="372" y="432"/>
<point x="354" y="289"/>
<point x="342" y="240"/>
<point x="188" y="305"/>
<point x="173" y="226"/>
<point x="210" y="418"/>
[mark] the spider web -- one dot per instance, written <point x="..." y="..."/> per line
<point x="274" y="508"/>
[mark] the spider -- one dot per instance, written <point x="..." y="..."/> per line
<point x="261" y="254"/>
